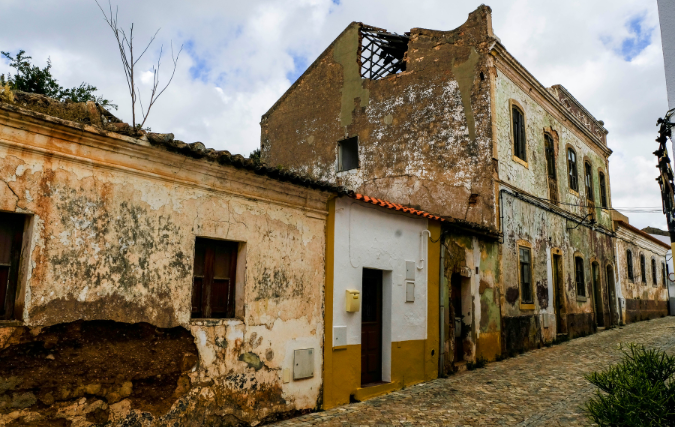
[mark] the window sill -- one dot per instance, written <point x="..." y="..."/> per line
<point x="574" y="193"/>
<point x="354" y="171"/>
<point x="527" y="306"/>
<point x="520" y="161"/>
<point x="10" y="323"/>
<point x="581" y="298"/>
<point x="216" y="322"/>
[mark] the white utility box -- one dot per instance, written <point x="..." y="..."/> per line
<point x="339" y="336"/>
<point x="409" y="291"/>
<point x="303" y="363"/>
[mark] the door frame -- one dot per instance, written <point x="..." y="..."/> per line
<point x="559" y="311"/>
<point x="380" y="314"/>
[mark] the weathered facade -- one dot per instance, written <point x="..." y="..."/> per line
<point x="382" y="299"/>
<point x="642" y="276"/>
<point x="158" y="284"/>
<point x="422" y="137"/>
<point x="450" y="122"/>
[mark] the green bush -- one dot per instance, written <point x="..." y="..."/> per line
<point x="639" y="391"/>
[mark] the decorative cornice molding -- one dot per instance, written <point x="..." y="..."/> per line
<point x="510" y="66"/>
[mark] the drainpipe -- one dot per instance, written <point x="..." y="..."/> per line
<point x="441" y="309"/>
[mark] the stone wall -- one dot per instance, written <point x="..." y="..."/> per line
<point x="104" y="330"/>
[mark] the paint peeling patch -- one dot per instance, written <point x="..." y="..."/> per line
<point x="542" y="294"/>
<point x="512" y="295"/>
<point x="252" y="360"/>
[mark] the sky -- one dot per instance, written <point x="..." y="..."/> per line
<point x="239" y="57"/>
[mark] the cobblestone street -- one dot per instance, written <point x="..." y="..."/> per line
<point x="541" y="387"/>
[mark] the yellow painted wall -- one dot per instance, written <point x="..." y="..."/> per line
<point x="412" y="362"/>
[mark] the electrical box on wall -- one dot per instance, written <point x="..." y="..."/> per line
<point x="410" y="270"/>
<point x="352" y="300"/>
<point x="303" y="363"/>
<point x="339" y="336"/>
<point x="409" y="291"/>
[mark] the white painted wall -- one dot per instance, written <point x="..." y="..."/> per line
<point x="667" y="23"/>
<point x="367" y="236"/>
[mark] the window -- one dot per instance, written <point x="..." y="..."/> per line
<point x="213" y="288"/>
<point x="654" y="272"/>
<point x="588" y="175"/>
<point x="526" y="296"/>
<point x="348" y="154"/>
<point x="572" y="169"/>
<point x="663" y="274"/>
<point x="643" y="268"/>
<point x="518" y="133"/>
<point x="579" y="270"/>
<point x="11" y="238"/>
<point x="603" y="190"/>
<point x="629" y="265"/>
<point x="550" y="156"/>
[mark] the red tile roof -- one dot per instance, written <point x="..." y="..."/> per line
<point x="396" y="206"/>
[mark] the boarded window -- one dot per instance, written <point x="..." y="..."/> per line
<point x="588" y="175"/>
<point x="579" y="270"/>
<point x="519" y="134"/>
<point x="643" y="268"/>
<point x="526" y="296"/>
<point x="213" y="289"/>
<point x="629" y="265"/>
<point x="654" y="272"/>
<point x="348" y="154"/>
<point x="603" y="191"/>
<point x="572" y="169"/>
<point x="11" y="237"/>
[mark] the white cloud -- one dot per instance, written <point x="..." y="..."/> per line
<point x="238" y="56"/>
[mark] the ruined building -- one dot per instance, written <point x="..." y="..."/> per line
<point x="451" y="123"/>
<point x="149" y="281"/>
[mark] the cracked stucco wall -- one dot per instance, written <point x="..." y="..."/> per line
<point x="112" y="234"/>
<point x="424" y="134"/>
<point x="543" y="230"/>
<point x="643" y="300"/>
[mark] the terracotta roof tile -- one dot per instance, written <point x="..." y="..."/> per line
<point x="395" y="206"/>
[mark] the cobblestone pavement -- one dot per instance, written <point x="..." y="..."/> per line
<point x="541" y="387"/>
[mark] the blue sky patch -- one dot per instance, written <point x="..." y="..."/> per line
<point x="300" y="64"/>
<point x="200" y="69"/>
<point x="640" y="38"/>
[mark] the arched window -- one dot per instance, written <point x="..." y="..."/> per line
<point x="579" y="270"/>
<point x="654" y="272"/>
<point x="643" y="268"/>
<point x="603" y="191"/>
<point x="550" y="156"/>
<point x="572" y="169"/>
<point x="518" y="133"/>
<point x="629" y="265"/>
<point x="588" y="179"/>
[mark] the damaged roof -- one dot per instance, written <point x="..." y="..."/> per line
<point x="90" y="113"/>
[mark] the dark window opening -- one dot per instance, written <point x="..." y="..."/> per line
<point x="550" y="156"/>
<point x="348" y="154"/>
<point x="579" y="269"/>
<point x="572" y="169"/>
<point x="213" y="289"/>
<point x="381" y="53"/>
<point x="643" y="268"/>
<point x="588" y="175"/>
<point x="629" y="265"/>
<point x="654" y="272"/>
<point x="519" y="134"/>
<point x="526" y="296"/>
<point x="482" y="76"/>
<point x="11" y="239"/>
<point x="603" y="191"/>
<point x="663" y="274"/>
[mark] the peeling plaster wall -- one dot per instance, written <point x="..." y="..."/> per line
<point x="543" y="230"/>
<point x="642" y="300"/>
<point x="424" y="134"/>
<point x="112" y="234"/>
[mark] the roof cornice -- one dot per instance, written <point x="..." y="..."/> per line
<point x="499" y="51"/>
